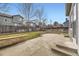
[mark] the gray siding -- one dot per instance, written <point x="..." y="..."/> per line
<point x="17" y="20"/>
<point x="5" y="21"/>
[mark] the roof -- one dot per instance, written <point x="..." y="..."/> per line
<point x="30" y="22"/>
<point x="68" y="8"/>
<point x="18" y="15"/>
<point x="10" y="16"/>
<point x="5" y="15"/>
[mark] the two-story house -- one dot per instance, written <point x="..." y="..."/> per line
<point x="10" y="23"/>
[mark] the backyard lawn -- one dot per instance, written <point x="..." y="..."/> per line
<point x="15" y="35"/>
<point x="13" y="38"/>
<point x="10" y="39"/>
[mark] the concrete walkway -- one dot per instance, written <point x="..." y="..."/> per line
<point x="40" y="46"/>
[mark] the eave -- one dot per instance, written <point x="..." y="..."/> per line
<point x="68" y="8"/>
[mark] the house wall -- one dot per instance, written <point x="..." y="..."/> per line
<point x="5" y="24"/>
<point x="11" y="24"/>
<point x="17" y="20"/>
<point x="77" y="22"/>
<point x="5" y="21"/>
<point x="73" y="25"/>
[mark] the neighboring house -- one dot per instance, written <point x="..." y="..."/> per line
<point x="31" y="26"/>
<point x="17" y="20"/>
<point x="66" y="25"/>
<point x="72" y="12"/>
<point x="10" y="23"/>
<point x="39" y="25"/>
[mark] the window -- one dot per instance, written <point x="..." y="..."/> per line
<point x="5" y="19"/>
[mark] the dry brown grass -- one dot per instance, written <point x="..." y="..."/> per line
<point x="11" y="41"/>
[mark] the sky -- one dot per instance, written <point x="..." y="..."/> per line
<point x="52" y="11"/>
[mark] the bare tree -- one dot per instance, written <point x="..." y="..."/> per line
<point x="27" y="11"/>
<point x="40" y="16"/>
<point x="44" y="23"/>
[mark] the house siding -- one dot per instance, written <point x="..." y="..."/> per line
<point x="74" y="24"/>
<point x="77" y="22"/>
<point x="17" y="20"/>
<point x="11" y="24"/>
